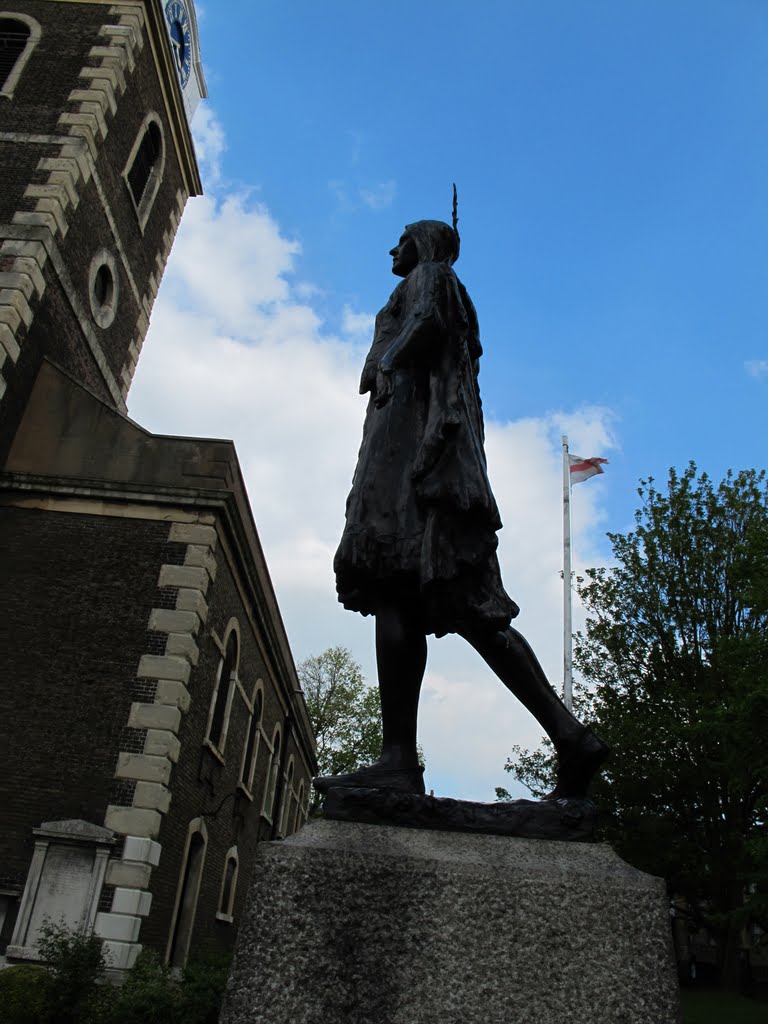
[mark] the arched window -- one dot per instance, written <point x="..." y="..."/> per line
<point x="274" y="768"/>
<point x="285" y="809"/>
<point x="228" y="886"/>
<point x="221" y="702"/>
<point x="251" y="751"/>
<point x="298" y="820"/>
<point x="187" y="892"/>
<point x="19" y="34"/>
<point x="144" y="170"/>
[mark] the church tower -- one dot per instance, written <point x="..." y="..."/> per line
<point x="97" y="163"/>
<point x="152" y="724"/>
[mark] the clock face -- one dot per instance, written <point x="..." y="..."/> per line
<point x="181" y="40"/>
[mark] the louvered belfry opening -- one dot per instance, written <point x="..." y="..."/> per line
<point x="147" y="156"/>
<point x="13" y="38"/>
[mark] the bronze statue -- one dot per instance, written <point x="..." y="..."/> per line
<point x="419" y="546"/>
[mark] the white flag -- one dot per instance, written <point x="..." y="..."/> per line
<point x="583" y="469"/>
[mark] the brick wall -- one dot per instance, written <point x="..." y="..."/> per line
<point x="200" y="781"/>
<point x="68" y="33"/>
<point x="94" y="208"/>
<point x="74" y="605"/>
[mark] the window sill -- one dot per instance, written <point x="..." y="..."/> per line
<point x="226" y="918"/>
<point x="242" y="788"/>
<point x="212" y="749"/>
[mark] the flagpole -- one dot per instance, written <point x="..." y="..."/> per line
<point x="567" y="604"/>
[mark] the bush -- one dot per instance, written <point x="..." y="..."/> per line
<point x="25" y="995"/>
<point x="203" y="984"/>
<point x="76" y="963"/>
<point x="70" y="991"/>
<point x="149" y="995"/>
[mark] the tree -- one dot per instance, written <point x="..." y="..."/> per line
<point x="345" y="712"/>
<point x="675" y="662"/>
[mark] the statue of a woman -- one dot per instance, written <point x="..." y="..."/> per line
<point x="419" y="546"/>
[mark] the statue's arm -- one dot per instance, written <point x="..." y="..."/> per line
<point x="410" y="342"/>
<point x="422" y="325"/>
<point x="415" y="336"/>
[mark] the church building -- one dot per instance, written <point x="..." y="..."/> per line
<point x="151" y="721"/>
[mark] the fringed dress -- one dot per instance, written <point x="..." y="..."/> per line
<point x="421" y="519"/>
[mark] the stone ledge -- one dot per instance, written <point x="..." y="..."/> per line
<point x="551" y="859"/>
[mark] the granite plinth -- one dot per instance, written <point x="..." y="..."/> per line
<point x="569" y="820"/>
<point x="351" y="923"/>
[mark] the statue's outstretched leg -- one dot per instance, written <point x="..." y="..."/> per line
<point x="580" y="752"/>
<point x="401" y="657"/>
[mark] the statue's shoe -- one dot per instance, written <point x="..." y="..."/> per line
<point x="578" y="763"/>
<point x="402" y="780"/>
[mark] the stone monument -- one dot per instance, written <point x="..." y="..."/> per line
<point x="405" y="909"/>
<point x="363" y="924"/>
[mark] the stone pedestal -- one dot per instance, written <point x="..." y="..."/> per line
<point x="362" y="924"/>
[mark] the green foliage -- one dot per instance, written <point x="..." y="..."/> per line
<point x="536" y="770"/>
<point x="675" y="667"/>
<point x="203" y="983"/>
<point x="25" y="995"/>
<point x="73" y="989"/>
<point x="345" y="712"/>
<point x="707" y="1007"/>
<point x="149" y="995"/>
<point x="76" y="964"/>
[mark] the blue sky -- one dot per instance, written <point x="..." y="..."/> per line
<point x="611" y="162"/>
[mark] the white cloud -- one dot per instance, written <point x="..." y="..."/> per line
<point x="306" y="290"/>
<point x="757" y="368"/>
<point x="357" y="325"/>
<point x="236" y="350"/>
<point x="379" y="196"/>
<point x="340" y="191"/>
<point x="231" y="261"/>
<point x="349" y="197"/>
<point x="210" y="144"/>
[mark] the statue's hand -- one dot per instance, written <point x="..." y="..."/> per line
<point x="384" y="382"/>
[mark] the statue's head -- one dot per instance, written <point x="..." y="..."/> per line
<point x="426" y="241"/>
